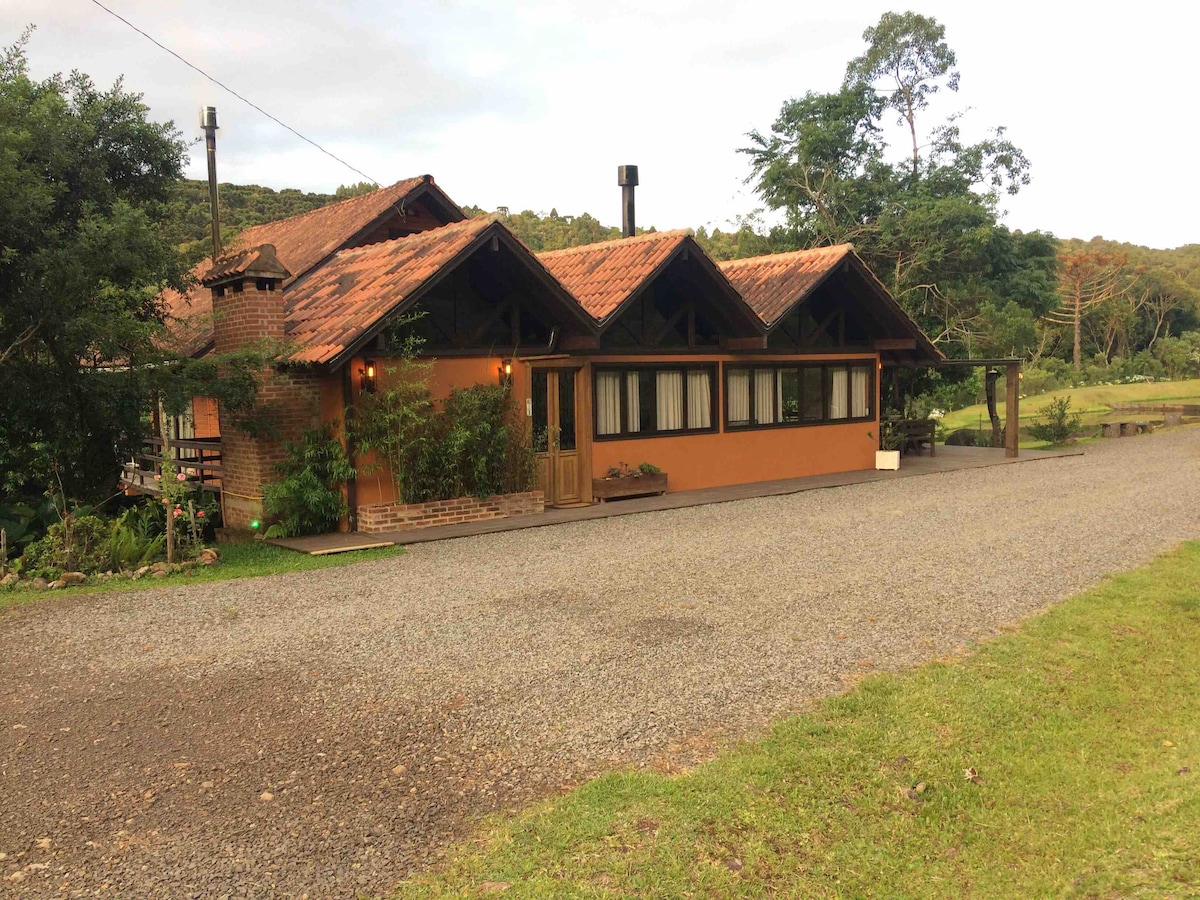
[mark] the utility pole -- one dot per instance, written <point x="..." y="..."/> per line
<point x="208" y="121"/>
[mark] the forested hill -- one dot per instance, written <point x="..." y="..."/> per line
<point x="243" y="205"/>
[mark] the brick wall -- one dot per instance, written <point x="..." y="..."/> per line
<point x="242" y="317"/>
<point x="378" y="517"/>
<point x="293" y="400"/>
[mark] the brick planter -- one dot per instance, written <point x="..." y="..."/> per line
<point x="404" y="516"/>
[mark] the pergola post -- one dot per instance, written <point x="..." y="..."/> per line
<point x="1012" y="408"/>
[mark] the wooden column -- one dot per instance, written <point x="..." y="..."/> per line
<point x="1012" y="404"/>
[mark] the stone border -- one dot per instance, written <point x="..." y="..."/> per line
<point x="379" y="517"/>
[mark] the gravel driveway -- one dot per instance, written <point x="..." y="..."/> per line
<point x="328" y="732"/>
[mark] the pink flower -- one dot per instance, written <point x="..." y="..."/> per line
<point x="178" y="511"/>
<point x="200" y="514"/>
<point x="158" y="478"/>
<point x="181" y="477"/>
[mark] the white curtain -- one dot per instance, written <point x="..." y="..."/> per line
<point x="764" y="396"/>
<point x="860" y="402"/>
<point x="633" y="394"/>
<point x="608" y="403"/>
<point x="838" y="397"/>
<point x="737" y="386"/>
<point x="669" y="386"/>
<point x="699" y="399"/>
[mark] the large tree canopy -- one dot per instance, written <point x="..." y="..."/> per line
<point x="84" y="180"/>
<point x="928" y="224"/>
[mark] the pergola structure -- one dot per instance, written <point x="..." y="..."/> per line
<point x="1012" y="395"/>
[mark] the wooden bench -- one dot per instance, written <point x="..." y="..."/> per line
<point x="916" y="434"/>
<point x="1126" y="429"/>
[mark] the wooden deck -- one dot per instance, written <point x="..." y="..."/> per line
<point x="948" y="459"/>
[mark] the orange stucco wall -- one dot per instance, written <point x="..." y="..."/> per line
<point x="690" y="461"/>
<point x="741" y="457"/>
<point x="375" y="483"/>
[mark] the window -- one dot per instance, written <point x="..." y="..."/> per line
<point x="654" y="400"/>
<point x="770" y="396"/>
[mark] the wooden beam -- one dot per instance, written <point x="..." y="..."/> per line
<point x="744" y="343"/>
<point x="579" y="342"/>
<point x="895" y="344"/>
<point x="1012" y="409"/>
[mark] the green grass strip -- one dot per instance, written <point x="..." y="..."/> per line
<point x="245" y="559"/>
<point x="1083" y="727"/>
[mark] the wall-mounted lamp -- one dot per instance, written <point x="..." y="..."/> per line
<point x="367" y="376"/>
<point x="506" y="366"/>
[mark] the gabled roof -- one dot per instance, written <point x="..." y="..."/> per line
<point x="331" y="312"/>
<point x="603" y="276"/>
<point x="773" y="284"/>
<point x="301" y="243"/>
<point x="260" y="261"/>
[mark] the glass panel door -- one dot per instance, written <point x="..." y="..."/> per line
<point x="566" y="410"/>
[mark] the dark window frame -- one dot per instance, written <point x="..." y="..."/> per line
<point x="625" y="434"/>
<point x="826" y="368"/>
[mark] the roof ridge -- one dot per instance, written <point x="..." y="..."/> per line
<point x="640" y="239"/>
<point x="337" y="203"/>
<point x="845" y="247"/>
<point x="415" y="238"/>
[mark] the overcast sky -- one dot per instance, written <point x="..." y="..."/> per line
<point x="534" y="105"/>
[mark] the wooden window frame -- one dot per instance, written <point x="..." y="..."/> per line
<point x="871" y="365"/>
<point x="654" y="368"/>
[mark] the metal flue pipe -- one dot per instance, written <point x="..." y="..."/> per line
<point x="627" y="178"/>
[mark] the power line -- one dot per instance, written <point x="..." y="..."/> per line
<point x="226" y="87"/>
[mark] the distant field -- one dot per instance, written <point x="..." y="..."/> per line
<point x="1094" y="402"/>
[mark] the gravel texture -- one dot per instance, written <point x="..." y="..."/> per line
<point x="330" y="732"/>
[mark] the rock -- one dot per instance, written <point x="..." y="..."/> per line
<point x="159" y="567"/>
<point x="72" y="577"/>
<point x="10" y="578"/>
<point x="141" y="573"/>
<point x="208" y="556"/>
<point x="41" y="583"/>
<point x="266" y="796"/>
<point x="44" y="843"/>
<point x="56" y="584"/>
<point x="161" y="573"/>
<point x="400" y="769"/>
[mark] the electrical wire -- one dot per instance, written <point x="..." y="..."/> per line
<point x="230" y="90"/>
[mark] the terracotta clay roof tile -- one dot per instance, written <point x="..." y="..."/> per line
<point x="603" y="276"/>
<point x="337" y="303"/>
<point x="773" y="284"/>
<point x="260" y="260"/>
<point x="300" y="241"/>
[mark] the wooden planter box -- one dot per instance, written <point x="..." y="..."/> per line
<point x="615" y="488"/>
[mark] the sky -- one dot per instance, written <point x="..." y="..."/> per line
<point x="533" y="105"/>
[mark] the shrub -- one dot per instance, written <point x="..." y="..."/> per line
<point x="76" y="543"/>
<point x="1056" y="424"/>
<point x="137" y="537"/>
<point x="307" y="499"/>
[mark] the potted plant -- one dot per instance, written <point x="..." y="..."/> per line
<point x="887" y="457"/>
<point x="623" y="481"/>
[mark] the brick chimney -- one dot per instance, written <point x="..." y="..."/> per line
<point x="247" y="295"/>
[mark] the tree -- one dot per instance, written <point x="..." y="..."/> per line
<point x="909" y="53"/>
<point x="85" y="178"/>
<point x="928" y="224"/>
<point x="1086" y="280"/>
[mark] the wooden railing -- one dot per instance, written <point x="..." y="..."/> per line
<point x="198" y="458"/>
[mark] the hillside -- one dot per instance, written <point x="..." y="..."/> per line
<point x="187" y="223"/>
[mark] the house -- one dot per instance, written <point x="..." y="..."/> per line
<point x="632" y="350"/>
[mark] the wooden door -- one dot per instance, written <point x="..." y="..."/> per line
<point x="556" y="436"/>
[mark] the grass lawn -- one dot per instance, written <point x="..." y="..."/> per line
<point x="1083" y="727"/>
<point x="1094" y="402"/>
<point x="245" y="559"/>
